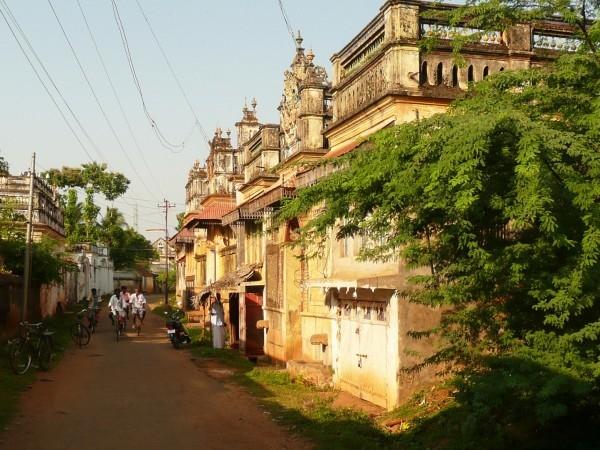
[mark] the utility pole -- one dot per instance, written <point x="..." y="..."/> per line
<point x="135" y="217"/>
<point x="27" y="268"/>
<point x="166" y="205"/>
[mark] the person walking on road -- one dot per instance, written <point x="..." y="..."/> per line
<point x="217" y="320"/>
<point x="138" y="305"/>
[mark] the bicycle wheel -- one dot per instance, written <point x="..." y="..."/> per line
<point x="80" y="334"/>
<point x="91" y="324"/>
<point x="19" y="356"/>
<point x="44" y="354"/>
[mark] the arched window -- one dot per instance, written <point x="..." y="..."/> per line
<point x="486" y="72"/>
<point x="470" y="77"/>
<point x="439" y="74"/>
<point x="424" y="78"/>
<point x="454" y="76"/>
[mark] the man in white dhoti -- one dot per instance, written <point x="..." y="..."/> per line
<point x="217" y="320"/>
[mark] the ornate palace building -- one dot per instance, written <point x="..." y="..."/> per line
<point x="334" y="319"/>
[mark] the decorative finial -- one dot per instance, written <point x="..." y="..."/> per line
<point x="299" y="40"/>
<point x="228" y="132"/>
<point x="254" y="103"/>
<point x="245" y="109"/>
<point x="310" y="56"/>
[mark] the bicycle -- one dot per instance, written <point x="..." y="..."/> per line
<point x="79" y="332"/>
<point x="92" y="318"/>
<point x="120" y="325"/>
<point x="34" y="342"/>
<point x="138" y="319"/>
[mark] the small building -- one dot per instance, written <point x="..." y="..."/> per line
<point x="166" y="253"/>
<point x="47" y="223"/>
<point x="95" y="270"/>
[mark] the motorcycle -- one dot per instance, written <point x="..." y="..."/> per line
<point x="176" y="332"/>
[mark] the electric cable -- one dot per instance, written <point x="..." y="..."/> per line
<point x="39" y="77"/>
<point x="174" y="148"/>
<point x="58" y="91"/>
<point x="116" y="95"/>
<point x="287" y="21"/>
<point x="172" y="70"/>
<point x="108" y="122"/>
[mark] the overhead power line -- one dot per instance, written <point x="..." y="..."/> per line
<point x="287" y="21"/>
<point x="179" y="85"/>
<point x="97" y="100"/>
<point x="175" y="148"/>
<point x="39" y="77"/>
<point x="114" y="90"/>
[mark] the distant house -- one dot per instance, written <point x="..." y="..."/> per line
<point x="138" y="277"/>
<point x="158" y="265"/>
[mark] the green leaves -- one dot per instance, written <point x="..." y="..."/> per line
<point x="92" y="177"/>
<point x="3" y="167"/>
<point x="499" y="199"/>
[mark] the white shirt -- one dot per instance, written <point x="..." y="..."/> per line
<point x="115" y="304"/>
<point x="125" y="298"/>
<point x="138" y="301"/>
<point x="217" y="314"/>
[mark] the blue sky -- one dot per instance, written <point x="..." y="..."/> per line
<point x="222" y="52"/>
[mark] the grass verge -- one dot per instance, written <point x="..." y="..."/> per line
<point x="11" y="385"/>
<point x="299" y="407"/>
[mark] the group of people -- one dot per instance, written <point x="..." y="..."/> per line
<point x="123" y="304"/>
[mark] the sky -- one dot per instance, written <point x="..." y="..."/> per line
<point x="221" y="52"/>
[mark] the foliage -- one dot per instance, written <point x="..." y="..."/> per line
<point x="92" y="177"/>
<point x="129" y="248"/>
<point x="499" y="200"/>
<point x="47" y="264"/>
<point x="73" y="214"/>
<point x="81" y="219"/>
<point x="89" y="215"/>
<point x="12" y="222"/>
<point x="180" y="218"/>
<point x="3" y="167"/>
<point x="172" y="279"/>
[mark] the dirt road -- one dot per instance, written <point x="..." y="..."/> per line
<point x="138" y="394"/>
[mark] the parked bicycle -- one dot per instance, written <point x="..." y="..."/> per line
<point x="34" y="343"/>
<point x="79" y="332"/>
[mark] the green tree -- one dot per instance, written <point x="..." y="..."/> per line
<point x="3" y="167"/>
<point x="92" y="176"/>
<point x="129" y="248"/>
<point x="12" y="222"/>
<point x="81" y="218"/>
<point x="171" y="277"/>
<point x="73" y="217"/>
<point x="48" y="263"/>
<point x="500" y="199"/>
<point x="180" y="218"/>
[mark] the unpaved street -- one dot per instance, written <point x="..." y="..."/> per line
<point x="138" y="393"/>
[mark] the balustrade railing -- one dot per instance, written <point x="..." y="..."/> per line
<point x="448" y="32"/>
<point x="559" y="43"/>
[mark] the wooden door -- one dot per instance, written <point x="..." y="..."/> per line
<point x="254" y="313"/>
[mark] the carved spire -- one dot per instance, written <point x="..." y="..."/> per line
<point x="299" y="41"/>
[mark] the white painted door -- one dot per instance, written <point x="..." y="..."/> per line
<point x="363" y="356"/>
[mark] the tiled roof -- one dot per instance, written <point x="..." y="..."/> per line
<point x="208" y="214"/>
